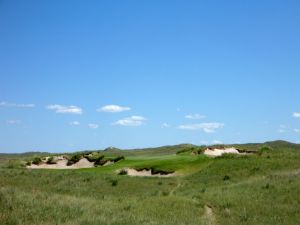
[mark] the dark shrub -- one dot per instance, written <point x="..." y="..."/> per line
<point x="37" y="161"/>
<point x="101" y="162"/>
<point x="123" y="172"/>
<point x="28" y="163"/>
<point x="117" y="159"/>
<point x="99" y="158"/>
<point x="226" y="177"/>
<point x="160" y="172"/>
<point x="114" y="183"/>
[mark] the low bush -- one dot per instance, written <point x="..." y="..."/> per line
<point x="101" y="162"/>
<point x="117" y="159"/>
<point x="114" y="182"/>
<point x="37" y="161"/>
<point x="123" y="172"/>
<point x="264" y="149"/>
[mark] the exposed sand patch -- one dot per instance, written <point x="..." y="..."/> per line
<point x="61" y="163"/>
<point x="215" y="152"/>
<point x="109" y="163"/>
<point x="209" y="216"/>
<point x="83" y="163"/>
<point x="147" y="173"/>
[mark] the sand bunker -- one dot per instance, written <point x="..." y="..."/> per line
<point x="61" y="163"/>
<point x="146" y="173"/>
<point x="216" y="152"/>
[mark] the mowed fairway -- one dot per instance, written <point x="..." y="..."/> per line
<point x="254" y="189"/>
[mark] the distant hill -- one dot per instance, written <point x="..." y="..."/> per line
<point x="25" y="154"/>
<point x="279" y="144"/>
<point x="156" y="151"/>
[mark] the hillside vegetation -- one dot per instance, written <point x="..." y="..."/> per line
<point x="259" y="189"/>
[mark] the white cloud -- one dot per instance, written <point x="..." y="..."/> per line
<point x="75" y="123"/>
<point x="9" y="104"/>
<point x="131" y="121"/>
<point x="93" y="125"/>
<point x="65" y="109"/>
<point x="195" y="116"/>
<point x="13" y="122"/>
<point x="297" y="130"/>
<point x="296" y="114"/>
<point x="113" y="108"/>
<point x="165" y="125"/>
<point x="206" y="127"/>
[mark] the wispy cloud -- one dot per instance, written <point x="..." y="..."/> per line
<point x="165" y="125"/>
<point x="113" y="109"/>
<point x="65" y="109"/>
<point x="74" y="123"/>
<point x="12" y="122"/>
<point x="195" y="116"/>
<point x="206" y="127"/>
<point x="296" y="114"/>
<point x="93" y="125"/>
<point x="10" y="104"/>
<point x="131" y="121"/>
<point x="297" y="130"/>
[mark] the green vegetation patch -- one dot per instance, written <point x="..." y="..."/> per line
<point x="191" y="150"/>
<point x="251" y="190"/>
<point x="37" y="161"/>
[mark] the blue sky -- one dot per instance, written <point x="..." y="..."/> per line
<point x="78" y="75"/>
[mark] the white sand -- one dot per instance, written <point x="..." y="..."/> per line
<point x="219" y="152"/>
<point x="109" y="163"/>
<point x="62" y="164"/>
<point x="145" y="173"/>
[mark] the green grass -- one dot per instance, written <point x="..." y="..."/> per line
<point x="257" y="189"/>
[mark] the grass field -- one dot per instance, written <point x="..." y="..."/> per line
<point x="256" y="189"/>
